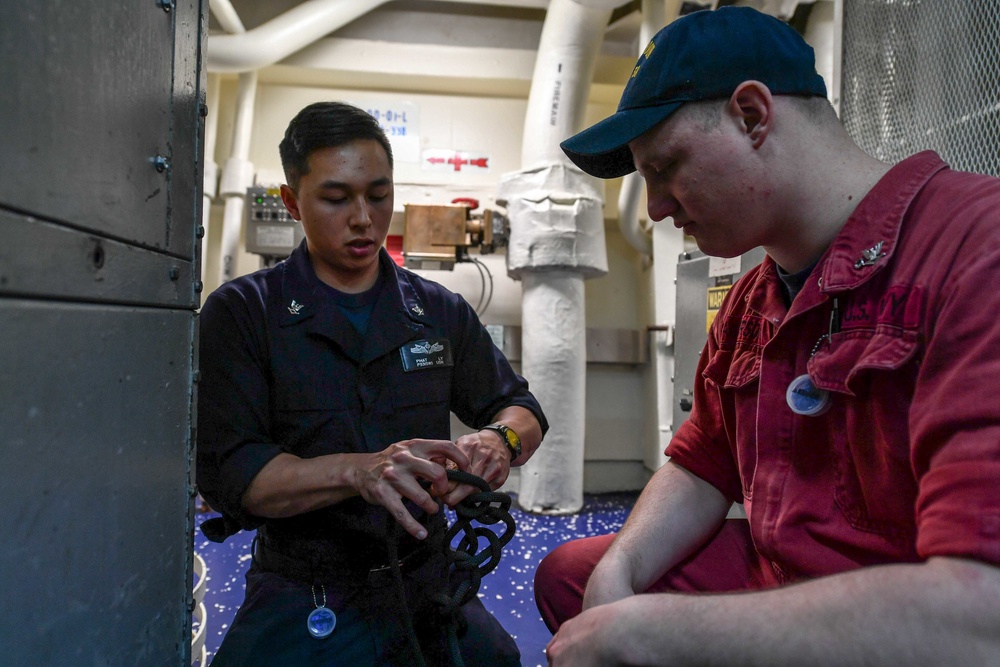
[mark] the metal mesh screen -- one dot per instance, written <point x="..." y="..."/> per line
<point x="924" y="74"/>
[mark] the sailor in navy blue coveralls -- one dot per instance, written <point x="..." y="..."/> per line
<point x="284" y="369"/>
<point x="324" y="403"/>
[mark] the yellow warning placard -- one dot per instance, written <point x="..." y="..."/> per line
<point x="716" y="295"/>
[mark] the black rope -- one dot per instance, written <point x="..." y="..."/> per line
<point x="488" y="507"/>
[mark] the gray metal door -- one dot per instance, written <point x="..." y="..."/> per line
<point x="700" y="290"/>
<point x="100" y="184"/>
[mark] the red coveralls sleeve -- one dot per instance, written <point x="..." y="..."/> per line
<point x="955" y="416"/>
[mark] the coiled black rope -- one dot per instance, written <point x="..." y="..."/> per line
<point x="488" y="507"/>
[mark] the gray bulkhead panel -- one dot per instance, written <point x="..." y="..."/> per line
<point x="90" y="268"/>
<point x="88" y="107"/>
<point x="100" y="197"/>
<point x="96" y="483"/>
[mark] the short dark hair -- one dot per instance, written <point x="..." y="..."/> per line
<point x="708" y="113"/>
<point x="324" y="125"/>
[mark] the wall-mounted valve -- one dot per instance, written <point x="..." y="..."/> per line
<point x="436" y="236"/>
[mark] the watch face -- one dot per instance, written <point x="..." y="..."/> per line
<point x="510" y="438"/>
<point x="513" y="442"/>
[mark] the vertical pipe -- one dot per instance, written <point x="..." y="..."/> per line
<point x="567" y="55"/>
<point x="237" y="175"/>
<point x="564" y="238"/>
<point x="667" y="245"/>
<point x="211" y="178"/>
<point x="555" y="359"/>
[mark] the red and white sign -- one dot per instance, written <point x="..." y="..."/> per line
<point x="448" y="160"/>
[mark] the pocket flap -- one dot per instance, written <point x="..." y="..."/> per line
<point x="842" y="364"/>
<point x="732" y="369"/>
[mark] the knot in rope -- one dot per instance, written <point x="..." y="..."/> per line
<point x="487" y="507"/>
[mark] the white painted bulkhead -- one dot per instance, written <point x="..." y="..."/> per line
<point x="466" y="86"/>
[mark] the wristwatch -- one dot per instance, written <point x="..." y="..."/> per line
<point x="510" y="439"/>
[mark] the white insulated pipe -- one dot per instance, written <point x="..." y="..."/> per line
<point x="283" y="35"/>
<point x="557" y="238"/>
<point x="237" y="176"/>
<point x="296" y="29"/>
<point x="226" y="15"/>
<point x="564" y="67"/>
<point x="552" y="333"/>
<point x="668" y="244"/>
<point x="210" y="184"/>
<point x="628" y="214"/>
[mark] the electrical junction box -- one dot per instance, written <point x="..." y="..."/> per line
<point x="270" y="229"/>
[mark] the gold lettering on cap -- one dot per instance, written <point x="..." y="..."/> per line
<point x="645" y="55"/>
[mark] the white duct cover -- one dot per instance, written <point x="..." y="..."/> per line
<point x="555" y="360"/>
<point x="559" y="212"/>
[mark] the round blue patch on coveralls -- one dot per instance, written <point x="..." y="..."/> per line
<point x="805" y="399"/>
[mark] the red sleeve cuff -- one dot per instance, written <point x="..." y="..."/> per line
<point x="691" y="449"/>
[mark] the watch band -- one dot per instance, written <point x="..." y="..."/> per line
<point x="509" y="437"/>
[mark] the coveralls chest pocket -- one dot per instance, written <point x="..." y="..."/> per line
<point x="419" y="376"/>
<point x="870" y="372"/>
<point x="314" y="394"/>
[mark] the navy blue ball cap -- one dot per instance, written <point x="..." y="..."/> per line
<point x="703" y="55"/>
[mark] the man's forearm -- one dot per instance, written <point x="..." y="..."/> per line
<point x="943" y="612"/>
<point x="676" y="513"/>
<point x="289" y="485"/>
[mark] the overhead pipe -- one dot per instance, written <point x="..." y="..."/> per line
<point x="557" y="240"/>
<point x="283" y="35"/>
<point x="226" y="15"/>
<point x="297" y="28"/>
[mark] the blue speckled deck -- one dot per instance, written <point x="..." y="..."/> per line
<point x="508" y="591"/>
